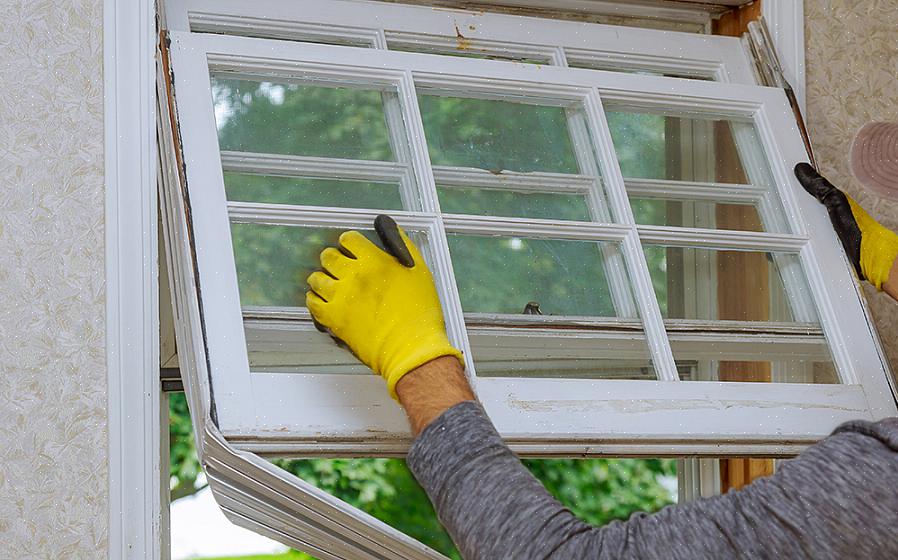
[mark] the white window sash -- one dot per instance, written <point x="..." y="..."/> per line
<point x="379" y="24"/>
<point x="324" y="414"/>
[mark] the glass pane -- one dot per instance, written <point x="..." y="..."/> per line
<point x="305" y="120"/>
<point x="616" y="67"/>
<point x="708" y="284"/>
<point x="299" y="350"/>
<point x="612" y="356"/>
<point x="703" y="149"/>
<point x="505" y="274"/>
<point x="311" y="191"/>
<point x="515" y="204"/>
<point x="497" y="135"/>
<point x="273" y="262"/>
<point x="466" y="48"/>
<point x="699" y="214"/>
<point x="762" y="361"/>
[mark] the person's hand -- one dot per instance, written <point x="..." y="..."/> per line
<point x="384" y="307"/>
<point x="872" y="248"/>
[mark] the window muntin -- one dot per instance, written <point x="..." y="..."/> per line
<point x="498" y="278"/>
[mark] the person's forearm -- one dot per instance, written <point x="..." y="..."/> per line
<point x="430" y="390"/>
<point x="890" y="286"/>
<point x="832" y="502"/>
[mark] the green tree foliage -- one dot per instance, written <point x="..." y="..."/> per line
<point x="596" y="490"/>
<point x="184" y="466"/>
<point x="493" y="274"/>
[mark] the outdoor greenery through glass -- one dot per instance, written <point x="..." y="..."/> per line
<point x="497" y="135"/>
<point x="698" y="214"/>
<point x="504" y="274"/>
<point x="312" y="191"/>
<point x="596" y="490"/>
<point x="307" y="120"/>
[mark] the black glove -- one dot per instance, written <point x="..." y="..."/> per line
<point x="871" y="248"/>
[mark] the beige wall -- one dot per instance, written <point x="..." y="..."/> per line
<point x="53" y="489"/>
<point x="852" y="78"/>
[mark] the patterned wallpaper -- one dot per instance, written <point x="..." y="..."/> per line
<point x="53" y="441"/>
<point x="852" y="78"/>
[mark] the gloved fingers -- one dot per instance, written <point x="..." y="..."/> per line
<point x="334" y="262"/>
<point x="413" y="249"/>
<point x="815" y="183"/>
<point x="317" y="307"/>
<point x="321" y="328"/>
<point x="394" y="240"/>
<point x="358" y="245"/>
<point x="323" y="285"/>
<point x="839" y="209"/>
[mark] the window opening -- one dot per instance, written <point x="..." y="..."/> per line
<point x="597" y="490"/>
<point x="262" y="382"/>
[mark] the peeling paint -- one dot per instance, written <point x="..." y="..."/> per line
<point x="656" y="405"/>
<point x="461" y="42"/>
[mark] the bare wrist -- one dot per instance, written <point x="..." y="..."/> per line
<point x="431" y="389"/>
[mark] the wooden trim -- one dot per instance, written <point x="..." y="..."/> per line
<point x="735" y="22"/>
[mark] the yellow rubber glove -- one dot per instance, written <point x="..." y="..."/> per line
<point x="879" y="246"/>
<point x="870" y="246"/>
<point x="384" y="307"/>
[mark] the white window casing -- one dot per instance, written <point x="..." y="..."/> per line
<point x="241" y="416"/>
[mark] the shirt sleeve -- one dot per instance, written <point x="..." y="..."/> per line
<point x="839" y="499"/>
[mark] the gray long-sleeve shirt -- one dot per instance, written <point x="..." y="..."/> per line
<point x="838" y="499"/>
